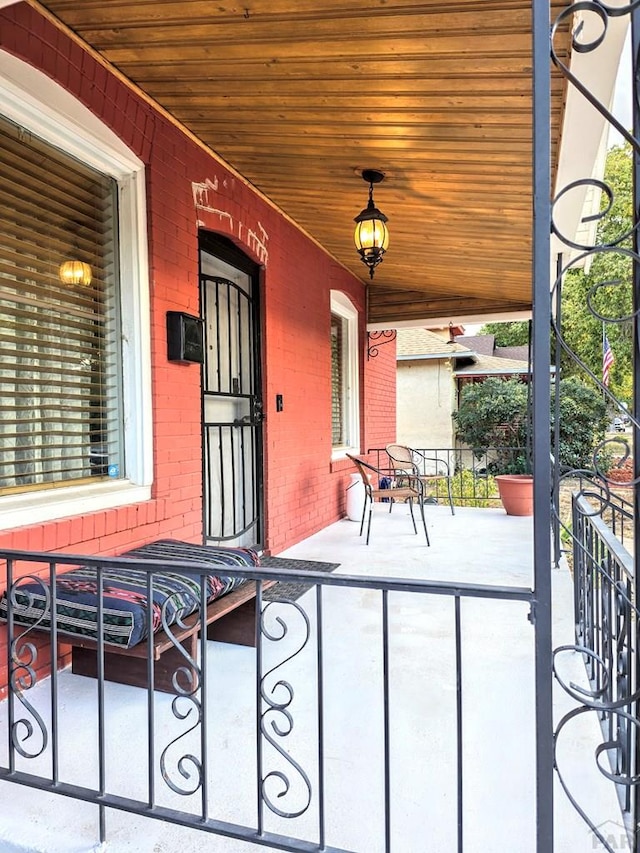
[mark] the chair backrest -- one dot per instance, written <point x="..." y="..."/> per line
<point x="364" y="469"/>
<point x="400" y="453"/>
<point x="401" y="459"/>
<point x="405" y="458"/>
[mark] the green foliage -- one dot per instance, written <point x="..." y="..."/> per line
<point x="494" y="414"/>
<point x="566" y="534"/>
<point x="514" y="334"/>
<point x="469" y="489"/>
<point x="510" y="462"/>
<point x="583" y="421"/>
<point x="607" y="286"/>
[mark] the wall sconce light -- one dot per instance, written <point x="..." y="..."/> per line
<point x="371" y="235"/>
<point x="75" y="272"/>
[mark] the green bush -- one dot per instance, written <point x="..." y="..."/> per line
<point x="493" y="414"/>
<point x="583" y="421"/>
<point x="470" y="489"/>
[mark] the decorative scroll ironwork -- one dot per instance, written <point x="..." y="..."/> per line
<point x="186" y="705"/>
<point x="283" y="782"/>
<point x="606" y="637"/>
<point x="276" y="718"/>
<point x="598" y="14"/>
<point x="606" y="614"/>
<point x="377" y="339"/>
<point x="22" y="675"/>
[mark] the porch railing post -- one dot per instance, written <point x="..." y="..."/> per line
<point x="635" y="670"/>
<point x="541" y="432"/>
<point x="556" y="418"/>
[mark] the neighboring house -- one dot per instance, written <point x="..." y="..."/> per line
<point x="426" y="393"/>
<point x="431" y="371"/>
<point x="486" y="345"/>
<point x="489" y="360"/>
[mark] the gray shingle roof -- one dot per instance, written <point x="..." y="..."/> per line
<point x="519" y="353"/>
<point x="488" y="365"/>
<point x="482" y="344"/>
<point x="420" y="343"/>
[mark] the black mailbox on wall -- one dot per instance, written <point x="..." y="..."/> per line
<point x="185" y="338"/>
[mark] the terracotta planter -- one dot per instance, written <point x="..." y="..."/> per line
<point x="516" y="493"/>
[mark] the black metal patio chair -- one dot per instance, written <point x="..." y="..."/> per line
<point x="405" y="461"/>
<point x="410" y="490"/>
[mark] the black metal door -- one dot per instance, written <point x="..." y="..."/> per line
<point x="231" y="395"/>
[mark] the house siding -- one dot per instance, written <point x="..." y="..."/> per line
<point x="304" y="490"/>
<point x="426" y="401"/>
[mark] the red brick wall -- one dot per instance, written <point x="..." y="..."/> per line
<point x="380" y="397"/>
<point x="304" y="492"/>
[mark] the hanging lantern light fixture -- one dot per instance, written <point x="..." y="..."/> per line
<point x="75" y="272"/>
<point x="371" y="235"/>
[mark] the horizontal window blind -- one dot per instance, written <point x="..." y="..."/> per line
<point x="60" y="400"/>
<point x="337" y="381"/>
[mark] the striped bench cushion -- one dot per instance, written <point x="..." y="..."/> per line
<point x="125" y="595"/>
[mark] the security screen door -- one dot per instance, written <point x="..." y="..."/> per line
<point x="231" y="395"/>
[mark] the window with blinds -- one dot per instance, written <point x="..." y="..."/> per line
<point x="337" y="380"/>
<point x="61" y="419"/>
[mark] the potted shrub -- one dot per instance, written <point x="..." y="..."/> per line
<point x="493" y="414"/>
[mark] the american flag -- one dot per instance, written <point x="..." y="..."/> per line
<point x="607" y="360"/>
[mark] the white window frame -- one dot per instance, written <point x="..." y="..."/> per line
<point x="342" y="307"/>
<point x="34" y="101"/>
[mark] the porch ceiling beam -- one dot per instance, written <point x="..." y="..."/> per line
<point x="443" y="321"/>
<point x="413" y="306"/>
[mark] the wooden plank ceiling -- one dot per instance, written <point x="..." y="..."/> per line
<point x="301" y="95"/>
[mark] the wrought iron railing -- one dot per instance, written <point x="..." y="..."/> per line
<point x="602" y="259"/>
<point x="619" y="515"/>
<point x="285" y="786"/>
<point x="606" y="631"/>
<point x="471" y="472"/>
<point x="616" y="511"/>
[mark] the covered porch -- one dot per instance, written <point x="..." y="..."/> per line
<point x="430" y="725"/>
<point x="450" y="728"/>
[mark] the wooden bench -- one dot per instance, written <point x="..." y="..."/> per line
<point x="229" y="619"/>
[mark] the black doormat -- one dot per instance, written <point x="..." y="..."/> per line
<point x="292" y="590"/>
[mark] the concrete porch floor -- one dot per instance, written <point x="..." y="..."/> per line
<point x="474" y="546"/>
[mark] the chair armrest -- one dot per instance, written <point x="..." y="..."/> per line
<point x="441" y="466"/>
<point x="368" y="469"/>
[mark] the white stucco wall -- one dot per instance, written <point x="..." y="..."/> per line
<point x="425" y="401"/>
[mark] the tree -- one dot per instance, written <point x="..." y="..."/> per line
<point x="583" y="421"/>
<point x="612" y="270"/>
<point x="515" y="334"/>
<point x="493" y="413"/>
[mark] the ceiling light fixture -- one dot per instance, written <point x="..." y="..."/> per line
<point x="75" y="272"/>
<point x="371" y="235"/>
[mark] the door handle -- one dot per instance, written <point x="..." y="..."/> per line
<point x="258" y="414"/>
